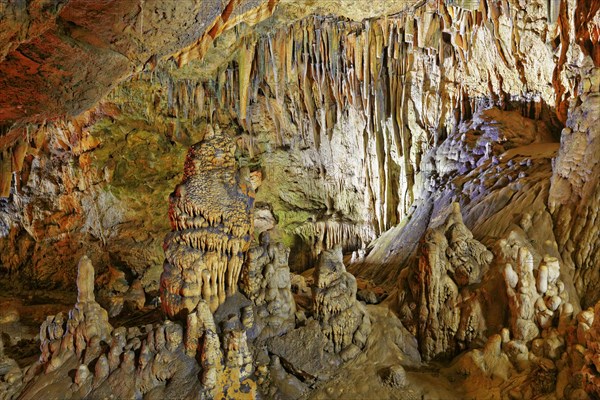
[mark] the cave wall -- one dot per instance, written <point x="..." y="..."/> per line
<point x="336" y="115"/>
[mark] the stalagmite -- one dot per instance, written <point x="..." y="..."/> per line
<point x="357" y="127"/>
<point x="533" y="302"/>
<point x="266" y="281"/>
<point x="344" y="321"/>
<point x="210" y="218"/>
<point x="442" y="291"/>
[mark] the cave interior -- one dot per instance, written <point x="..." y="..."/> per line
<point x="313" y="199"/>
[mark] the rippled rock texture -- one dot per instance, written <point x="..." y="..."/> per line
<point x="210" y="213"/>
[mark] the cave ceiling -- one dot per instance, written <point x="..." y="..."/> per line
<point x="58" y="58"/>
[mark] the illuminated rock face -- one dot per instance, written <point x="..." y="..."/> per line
<point x="210" y="213"/>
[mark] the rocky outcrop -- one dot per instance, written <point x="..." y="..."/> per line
<point x="439" y="300"/>
<point x="343" y="319"/>
<point x="50" y="50"/>
<point x="210" y="213"/>
<point x="266" y="281"/>
<point x="163" y="359"/>
<point x="536" y="294"/>
<point x="306" y="352"/>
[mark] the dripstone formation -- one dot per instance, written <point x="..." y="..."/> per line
<point x="164" y="360"/>
<point x="438" y="298"/>
<point x="210" y="213"/>
<point x="438" y="160"/>
<point x="266" y="281"/>
<point x="343" y="319"/>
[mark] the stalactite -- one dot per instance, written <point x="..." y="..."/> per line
<point x="5" y="174"/>
<point x="325" y="235"/>
<point x="245" y="57"/>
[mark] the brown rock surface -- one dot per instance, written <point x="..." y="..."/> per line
<point x="210" y="213"/>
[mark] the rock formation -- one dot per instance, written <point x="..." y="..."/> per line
<point x="590" y="328"/>
<point x="161" y="359"/>
<point x="445" y="152"/>
<point x="87" y="324"/>
<point x="212" y="226"/>
<point x="439" y="300"/>
<point x="116" y="292"/>
<point x="266" y="281"/>
<point x="536" y="294"/>
<point x="344" y="320"/>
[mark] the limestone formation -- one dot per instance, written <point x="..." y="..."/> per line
<point x="116" y="293"/>
<point x="306" y="352"/>
<point x="237" y="352"/>
<point x="537" y="297"/>
<point x="344" y="320"/>
<point x="164" y="358"/>
<point x="81" y="332"/>
<point x="591" y="368"/>
<point x="210" y="213"/>
<point x="357" y="127"/>
<point x="439" y="300"/>
<point x="266" y="281"/>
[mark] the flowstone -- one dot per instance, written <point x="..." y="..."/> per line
<point x="210" y="213"/>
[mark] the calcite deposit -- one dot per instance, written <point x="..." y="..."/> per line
<point x="266" y="281"/>
<point x="344" y="320"/>
<point x="210" y="213"/>
<point x="439" y="299"/>
<point x="162" y="359"/>
<point x="378" y="199"/>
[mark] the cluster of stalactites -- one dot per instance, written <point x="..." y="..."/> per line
<point x="322" y="68"/>
<point x="325" y="235"/>
<point x="210" y="213"/>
